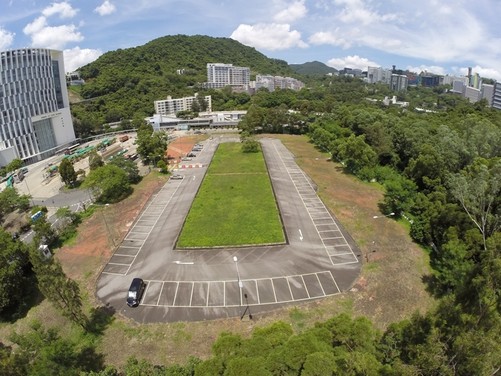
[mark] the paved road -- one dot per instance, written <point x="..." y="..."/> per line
<point x="318" y="259"/>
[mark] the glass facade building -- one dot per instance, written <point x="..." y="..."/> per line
<point x="35" y="118"/>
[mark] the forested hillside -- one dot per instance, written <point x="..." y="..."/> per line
<point x="124" y="83"/>
<point x="313" y="68"/>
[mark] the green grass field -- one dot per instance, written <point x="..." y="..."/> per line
<point x="235" y="205"/>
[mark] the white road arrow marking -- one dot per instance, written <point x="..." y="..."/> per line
<point x="300" y="235"/>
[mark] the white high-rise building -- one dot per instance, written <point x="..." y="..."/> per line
<point x="221" y="75"/>
<point x="35" y="118"/>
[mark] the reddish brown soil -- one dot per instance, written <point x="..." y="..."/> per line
<point x="98" y="235"/>
<point x="180" y="147"/>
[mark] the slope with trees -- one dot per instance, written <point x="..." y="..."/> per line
<point x="123" y="84"/>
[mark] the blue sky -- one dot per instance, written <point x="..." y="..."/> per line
<point x="440" y="36"/>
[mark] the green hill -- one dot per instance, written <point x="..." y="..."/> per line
<point x="124" y="83"/>
<point x="313" y="68"/>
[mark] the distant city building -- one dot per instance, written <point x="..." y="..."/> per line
<point x="398" y="82"/>
<point x="458" y="86"/>
<point x="487" y="92"/>
<point x="220" y="75"/>
<point x="428" y="79"/>
<point x="277" y="82"/>
<point x="35" y="118"/>
<point x="378" y="75"/>
<point x="351" y="72"/>
<point x="496" y="96"/>
<point x="172" y="106"/>
<point x="449" y="80"/>
<point x="472" y="94"/>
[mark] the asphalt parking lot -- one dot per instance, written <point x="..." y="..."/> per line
<point x="318" y="260"/>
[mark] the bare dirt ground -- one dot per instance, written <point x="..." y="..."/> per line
<point x="99" y="234"/>
<point x="389" y="289"/>
<point x="180" y="147"/>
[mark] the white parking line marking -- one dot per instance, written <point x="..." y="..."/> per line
<point x="160" y="294"/>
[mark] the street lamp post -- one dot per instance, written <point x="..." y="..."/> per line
<point x="240" y="287"/>
<point x="373" y="242"/>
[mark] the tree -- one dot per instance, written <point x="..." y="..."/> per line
<point x="15" y="275"/>
<point x="67" y="172"/>
<point x="355" y="154"/>
<point x="62" y="291"/>
<point x="109" y="184"/>
<point x="162" y="166"/>
<point x="95" y="160"/>
<point x="14" y="165"/>
<point x="150" y="145"/>
<point x="44" y="352"/>
<point x="477" y="189"/>
<point x="10" y="200"/>
<point x="250" y="145"/>
<point x="44" y="233"/>
<point x="130" y="168"/>
<point x="11" y="363"/>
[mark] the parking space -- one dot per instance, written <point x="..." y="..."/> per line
<point x="317" y="260"/>
<point x="335" y="243"/>
<point x="196" y="294"/>
<point x="126" y="253"/>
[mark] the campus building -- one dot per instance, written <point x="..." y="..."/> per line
<point x="277" y="82"/>
<point x="171" y="106"/>
<point x="220" y="75"/>
<point x="35" y="118"/>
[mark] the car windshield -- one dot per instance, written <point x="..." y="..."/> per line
<point x="132" y="294"/>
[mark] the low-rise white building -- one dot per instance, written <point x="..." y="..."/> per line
<point x="171" y="106"/>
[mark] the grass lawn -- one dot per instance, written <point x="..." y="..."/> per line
<point x="235" y="205"/>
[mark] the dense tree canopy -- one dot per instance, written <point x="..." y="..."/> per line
<point x="16" y="278"/>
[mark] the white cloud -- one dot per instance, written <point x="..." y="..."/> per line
<point x="46" y="36"/>
<point x="358" y="12"/>
<point x="64" y="9"/>
<point x="482" y="71"/>
<point x="6" y="39"/>
<point x="441" y="34"/>
<point x="270" y="37"/>
<point x="428" y="68"/>
<point x="56" y="37"/>
<point x="105" y="8"/>
<point x="329" y="38"/>
<point x="293" y="12"/>
<point x="77" y="57"/>
<point x="354" y="62"/>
